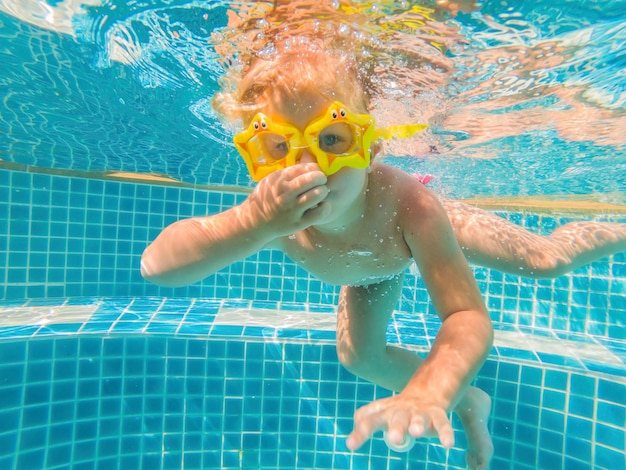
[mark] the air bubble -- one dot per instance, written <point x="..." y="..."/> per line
<point x="406" y="445"/>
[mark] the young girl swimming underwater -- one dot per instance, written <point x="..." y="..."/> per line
<point x="324" y="200"/>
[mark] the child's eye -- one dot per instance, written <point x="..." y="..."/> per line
<point x="275" y="145"/>
<point x="337" y="138"/>
<point x="327" y="141"/>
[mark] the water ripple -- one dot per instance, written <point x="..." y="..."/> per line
<point x="530" y="86"/>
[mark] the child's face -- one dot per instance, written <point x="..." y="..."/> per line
<point x="311" y="128"/>
<point x="308" y="126"/>
<point x="310" y="105"/>
<point x="345" y="184"/>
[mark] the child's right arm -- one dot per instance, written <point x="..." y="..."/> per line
<point x="191" y="249"/>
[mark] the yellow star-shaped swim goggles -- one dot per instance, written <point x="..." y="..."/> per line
<point x="337" y="139"/>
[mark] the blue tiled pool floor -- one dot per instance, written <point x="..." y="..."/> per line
<point x="201" y="383"/>
<point x="158" y="401"/>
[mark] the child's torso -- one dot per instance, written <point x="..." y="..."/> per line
<point x="360" y="263"/>
<point x="371" y="250"/>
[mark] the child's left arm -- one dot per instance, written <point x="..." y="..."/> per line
<point x="460" y="348"/>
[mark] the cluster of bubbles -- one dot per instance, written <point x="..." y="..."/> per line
<point x="402" y="43"/>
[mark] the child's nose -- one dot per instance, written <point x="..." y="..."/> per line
<point x="307" y="157"/>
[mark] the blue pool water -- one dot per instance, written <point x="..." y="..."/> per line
<point x="99" y="369"/>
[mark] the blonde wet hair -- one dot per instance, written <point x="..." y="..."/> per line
<point x="333" y="74"/>
<point x="378" y="62"/>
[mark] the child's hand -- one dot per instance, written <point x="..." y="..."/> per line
<point x="289" y="200"/>
<point x="399" y="415"/>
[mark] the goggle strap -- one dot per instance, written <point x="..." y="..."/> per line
<point x="401" y="131"/>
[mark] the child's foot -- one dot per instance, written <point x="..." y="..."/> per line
<point x="474" y="412"/>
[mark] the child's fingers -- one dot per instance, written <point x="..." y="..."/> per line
<point x="355" y="440"/>
<point x="367" y="420"/>
<point x="313" y="196"/>
<point x="290" y="184"/>
<point x="303" y="182"/>
<point x="303" y="174"/>
<point x="397" y="422"/>
<point x="433" y="423"/>
<point x="293" y="184"/>
<point x="397" y="428"/>
<point x="444" y="430"/>
<point x="362" y="432"/>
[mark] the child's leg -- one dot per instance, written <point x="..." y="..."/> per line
<point x="494" y="242"/>
<point x="362" y="348"/>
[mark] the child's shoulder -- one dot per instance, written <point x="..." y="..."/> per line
<point x="393" y="179"/>
<point x="397" y="187"/>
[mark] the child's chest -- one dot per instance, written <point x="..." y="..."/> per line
<point x="361" y="260"/>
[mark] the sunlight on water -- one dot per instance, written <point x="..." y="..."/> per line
<point x="528" y="88"/>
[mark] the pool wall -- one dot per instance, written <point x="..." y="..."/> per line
<point x="109" y="386"/>
<point x="76" y="237"/>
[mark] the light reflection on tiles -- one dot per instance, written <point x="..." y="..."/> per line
<point x="45" y="315"/>
<point x="276" y="319"/>
<point x="289" y="322"/>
